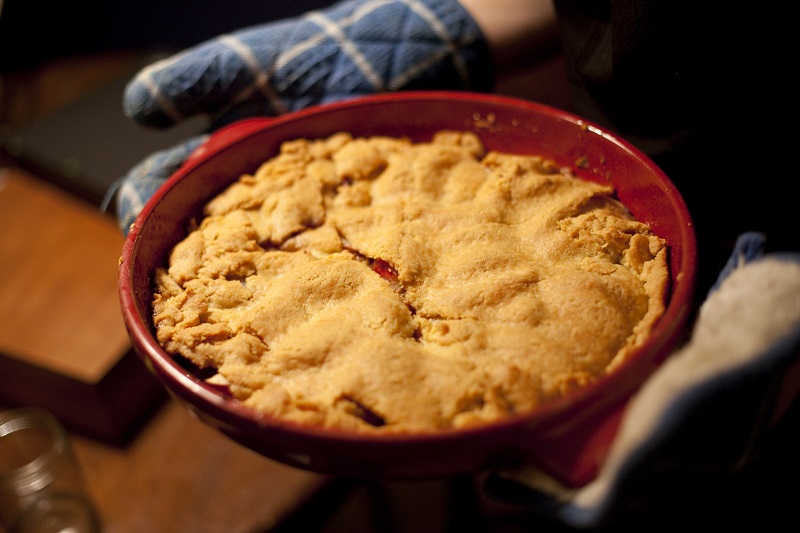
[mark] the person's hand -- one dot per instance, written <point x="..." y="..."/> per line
<point x="353" y="48"/>
<point x="699" y="420"/>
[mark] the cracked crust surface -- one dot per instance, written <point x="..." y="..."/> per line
<point x="382" y="285"/>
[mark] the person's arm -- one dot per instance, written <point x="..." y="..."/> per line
<point x="518" y="32"/>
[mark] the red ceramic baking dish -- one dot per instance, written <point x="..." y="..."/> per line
<point x="567" y="438"/>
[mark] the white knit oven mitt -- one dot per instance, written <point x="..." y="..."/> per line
<point x="344" y="51"/>
<point x="704" y="412"/>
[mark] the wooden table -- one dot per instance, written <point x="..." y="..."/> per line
<point x="63" y="347"/>
<point x="180" y="475"/>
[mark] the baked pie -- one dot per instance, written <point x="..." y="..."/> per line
<point x="382" y="285"/>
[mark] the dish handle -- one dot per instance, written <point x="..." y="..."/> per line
<point x="226" y="136"/>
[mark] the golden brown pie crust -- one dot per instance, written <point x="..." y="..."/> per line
<point x="377" y="284"/>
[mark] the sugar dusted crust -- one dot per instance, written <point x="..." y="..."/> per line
<point x="379" y="285"/>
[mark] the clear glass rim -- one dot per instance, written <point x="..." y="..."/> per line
<point x="22" y="418"/>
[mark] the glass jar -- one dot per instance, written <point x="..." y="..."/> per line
<point x="41" y="486"/>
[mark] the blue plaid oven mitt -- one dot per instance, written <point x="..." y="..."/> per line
<point x="697" y="413"/>
<point x="353" y="48"/>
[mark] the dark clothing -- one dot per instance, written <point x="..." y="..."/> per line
<point x="33" y="32"/>
<point x="688" y="83"/>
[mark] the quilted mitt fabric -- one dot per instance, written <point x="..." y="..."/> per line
<point x="353" y="48"/>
